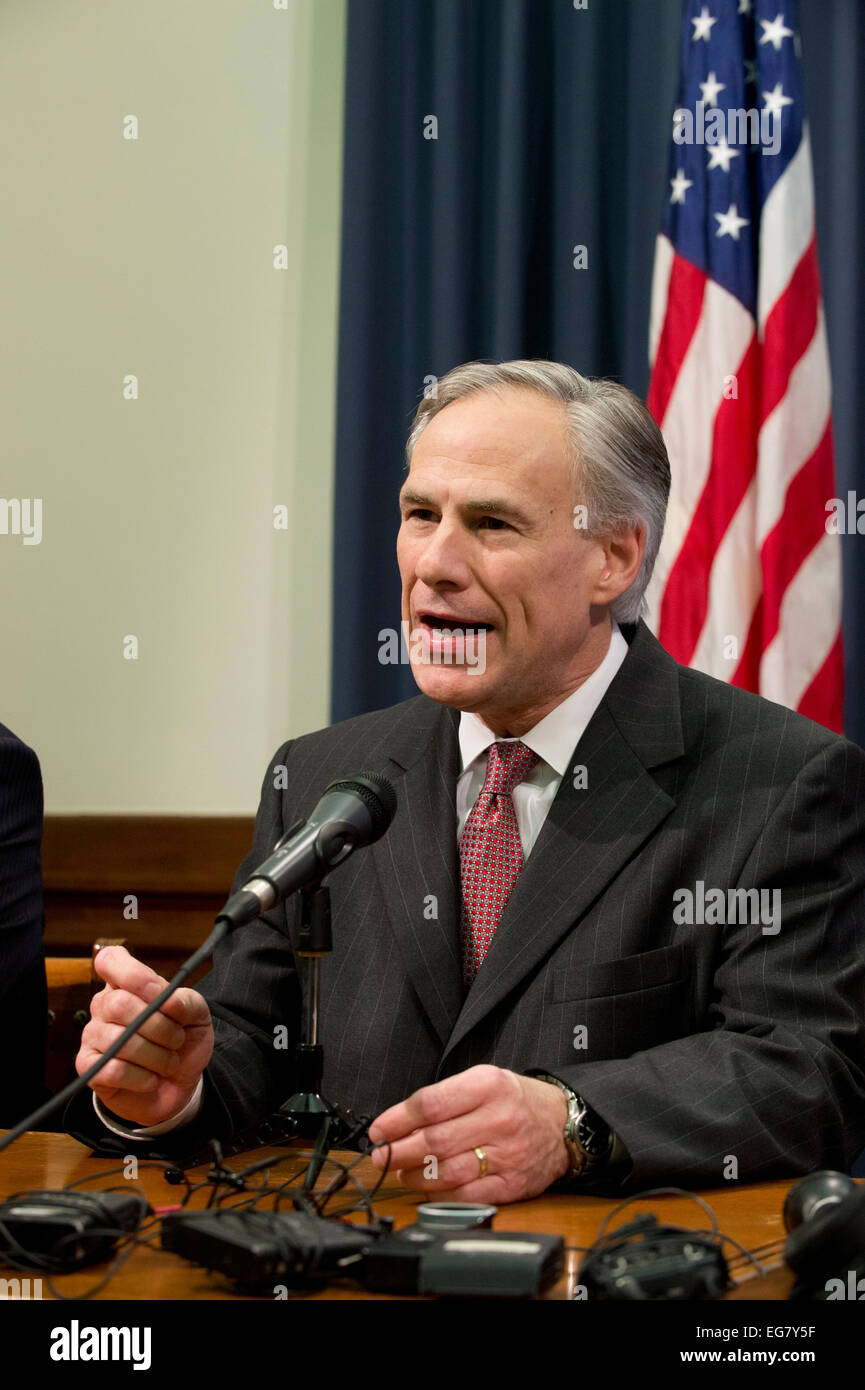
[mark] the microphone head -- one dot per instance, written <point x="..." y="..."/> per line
<point x="377" y="795"/>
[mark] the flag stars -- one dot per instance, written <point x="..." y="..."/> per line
<point x="730" y="223"/>
<point x="710" y="89"/>
<point x="776" y="100"/>
<point x="775" y="33"/>
<point x="720" y="156"/>
<point x="703" y="25"/>
<point x="751" y="70"/>
<point x="744" y="7"/>
<point x="680" y="186"/>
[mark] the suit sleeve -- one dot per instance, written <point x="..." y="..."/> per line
<point x="254" y="993"/>
<point x="254" y="997"/>
<point x="776" y="1081"/>
<point x="22" y="967"/>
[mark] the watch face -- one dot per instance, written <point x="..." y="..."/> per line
<point x="595" y="1136"/>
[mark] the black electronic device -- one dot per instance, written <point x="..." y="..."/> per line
<point x="825" y="1216"/>
<point x="64" y="1230"/>
<point x="647" y="1261"/>
<point x="258" y="1249"/>
<point x="451" y="1251"/>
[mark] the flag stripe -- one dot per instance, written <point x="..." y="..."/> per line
<point x="660" y="290"/>
<point x="709" y="573"/>
<point x="822" y="700"/>
<point x="796" y="533"/>
<point x="747" y="585"/>
<point x="786" y="547"/>
<point x="685" y="291"/>
<point x="793" y="431"/>
<point x="716" y="351"/>
<point x="747" y="673"/>
<point x="790" y="327"/>
<point x="795" y="654"/>
<point x="734" y="460"/>
<point x="786" y="228"/>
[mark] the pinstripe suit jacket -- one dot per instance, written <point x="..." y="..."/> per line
<point x="23" y="1008"/>
<point x="701" y="1041"/>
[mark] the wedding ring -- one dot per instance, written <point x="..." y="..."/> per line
<point x="482" y="1160"/>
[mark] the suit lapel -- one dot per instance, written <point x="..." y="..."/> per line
<point x="417" y="861"/>
<point x="591" y="831"/>
<point x="589" y="834"/>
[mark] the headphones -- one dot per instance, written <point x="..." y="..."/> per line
<point x="824" y="1214"/>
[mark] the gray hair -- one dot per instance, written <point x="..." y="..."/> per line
<point x="619" y="466"/>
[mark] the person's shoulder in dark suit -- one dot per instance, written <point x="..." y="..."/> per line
<point x="22" y="965"/>
<point x="768" y="743"/>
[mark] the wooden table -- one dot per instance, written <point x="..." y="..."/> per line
<point x="749" y="1212"/>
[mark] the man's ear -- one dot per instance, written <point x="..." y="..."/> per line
<point x="623" y="556"/>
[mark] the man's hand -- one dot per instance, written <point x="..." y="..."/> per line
<point x="517" y="1121"/>
<point x="156" y="1073"/>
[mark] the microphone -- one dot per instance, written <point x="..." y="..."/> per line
<point x="353" y="811"/>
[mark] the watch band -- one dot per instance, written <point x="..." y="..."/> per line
<point x="588" y="1138"/>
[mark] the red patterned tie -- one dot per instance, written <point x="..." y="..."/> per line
<point x="491" y="855"/>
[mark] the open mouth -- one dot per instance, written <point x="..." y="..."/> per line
<point x="447" y="623"/>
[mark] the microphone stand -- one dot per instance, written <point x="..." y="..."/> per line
<point x="306" y="1114"/>
<point x="306" y="1111"/>
<point x="335" y="830"/>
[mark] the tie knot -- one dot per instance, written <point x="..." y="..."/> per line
<point x="508" y="764"/>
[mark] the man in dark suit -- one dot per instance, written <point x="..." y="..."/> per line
<point x="22" y="965"/>
<point x="614" y="933"/>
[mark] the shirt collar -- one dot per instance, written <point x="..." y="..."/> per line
<point x="556" y="736"/>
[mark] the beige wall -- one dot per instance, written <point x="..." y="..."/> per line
<point x="155" y="257"/>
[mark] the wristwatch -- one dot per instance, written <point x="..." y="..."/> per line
<point x="588" y="1139"/>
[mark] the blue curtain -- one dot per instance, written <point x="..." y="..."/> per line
<point x="553" y="126"/>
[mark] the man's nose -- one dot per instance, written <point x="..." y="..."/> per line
<point x="444" y="557"/>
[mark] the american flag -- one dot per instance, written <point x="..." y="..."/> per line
<point x="748" y="581"/>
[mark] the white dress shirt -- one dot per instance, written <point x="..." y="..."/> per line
<point x="554" y="739"/>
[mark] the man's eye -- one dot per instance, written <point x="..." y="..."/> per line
<point x="495" y="522"/>
<point x="421" y="513"/>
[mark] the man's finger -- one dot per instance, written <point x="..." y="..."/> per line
<point x="446" y="1176"/>
<point x="137" y="1050"/>
<point x="117" y="1075"/>
<point x="121" y="1007"/>
<point x="188" y="1008"/>
<point x="443" y="1141"/>
<point x="494" y="1190"/>
<point x="185" y="1006"/>
<point x="433" y="1105"/>
<point x="120" y="970"/>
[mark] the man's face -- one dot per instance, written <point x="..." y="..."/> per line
<point x="487" y="540"/>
